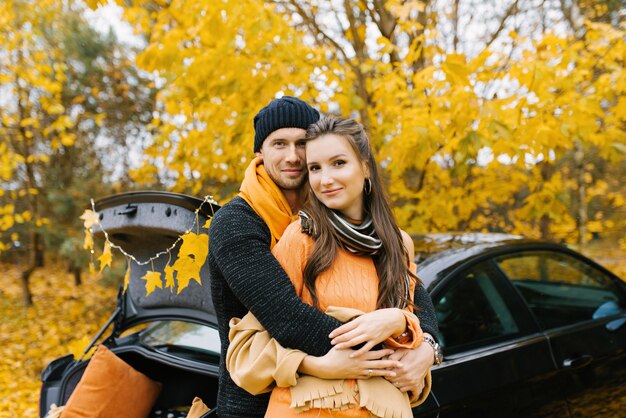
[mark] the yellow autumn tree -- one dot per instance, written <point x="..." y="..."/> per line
<point x="33" y="120"/>
<point x="62" y="86"/>
<point x="219" y="61"/>
<point x="498" y="135"/>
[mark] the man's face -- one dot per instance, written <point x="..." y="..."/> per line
<point x="283" y="157"/>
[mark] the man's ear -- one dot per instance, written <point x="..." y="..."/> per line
<point x="259" y="154"/>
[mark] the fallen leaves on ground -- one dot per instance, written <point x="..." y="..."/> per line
<point x="63" y="320"/>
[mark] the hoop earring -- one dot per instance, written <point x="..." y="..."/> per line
<point x="367" y="187"/>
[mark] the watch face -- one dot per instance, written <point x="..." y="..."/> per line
<point x="438" y="354"/>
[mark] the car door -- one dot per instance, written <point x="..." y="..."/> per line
<point x="581" y="309"/>
<point x="496" y="361"/>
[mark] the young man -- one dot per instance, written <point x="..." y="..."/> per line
<point x="245" y="276"/>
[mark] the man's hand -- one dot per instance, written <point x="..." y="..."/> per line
<point x="415" y="363"/>
<point x="341" y="364"/>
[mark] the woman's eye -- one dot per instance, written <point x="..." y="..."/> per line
<point x="314" y="168"/>
<point x="340" y="162"/>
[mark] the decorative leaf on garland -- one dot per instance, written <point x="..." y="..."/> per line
<point x="90" y="218"/>
<point x="186" y="270"/>
<point x="106" y="257"/>
<point x="192" y="255"/>
<point x="207" y="224"/>
<point x="153" y="280"/>
<point x="88" y="244"/>
<point x="169" y="277"/>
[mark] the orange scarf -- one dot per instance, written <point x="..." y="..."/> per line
<point x="267" y="200"/>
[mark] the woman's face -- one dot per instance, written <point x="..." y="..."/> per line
<point x="336" y="174"/>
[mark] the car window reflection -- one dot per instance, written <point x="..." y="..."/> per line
<point x="182" y="336"/>
<point x="559" y="289"/>
<point x="471" y="311"/>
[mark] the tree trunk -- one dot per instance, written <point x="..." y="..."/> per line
<point x="77" y="279"/>
<point x="38" y="250"/>
<point x="547" y="170"/>
<point x="544" y="227"/>
<point x="582" y="218"/>
<point x="27" y="296"/>
<point x="36" y="257"/>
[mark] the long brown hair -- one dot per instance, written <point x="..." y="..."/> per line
<point x="392" y="262"/>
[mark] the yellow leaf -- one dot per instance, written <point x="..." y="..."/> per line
<point x="456" y="69"/>
<point x="207" y="224"/>
<point x="192" y="255"/>
<point x="169" y="277"/>
<point x="153" y="280"/>
<point x="99" y="118"/>
<point x="127" y="277"/>
<point x="196" y="246"/>
<point x="56" y="109"/>
<point x="90" y="218"/>
<point x="106" y="257"/>
<point x="29" y="122"/>
<point x="92" y="268"/>
<point x="88" y="243"/>
<point x="186" y="269"/>
<point x="68" y="139"/>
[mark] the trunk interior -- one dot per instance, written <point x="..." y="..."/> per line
<point x="180" y="386"/>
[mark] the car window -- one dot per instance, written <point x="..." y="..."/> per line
<point x="178" y="336"/>
<point x="472" y="311"/>
<point x="560" y="289"/>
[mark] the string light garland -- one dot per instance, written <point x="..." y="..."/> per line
<point x="207" y="199"/>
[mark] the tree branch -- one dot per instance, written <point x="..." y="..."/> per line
<point x="455" y="19"/>
<point x="315" y="28"/>
<point x="574" y="18"/>
<point x="509" y="12"/>
<point x="386" y="24"/>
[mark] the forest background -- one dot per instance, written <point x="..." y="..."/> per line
<point x="485" y="115"/>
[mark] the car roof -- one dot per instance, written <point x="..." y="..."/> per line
<point x="437" y="265"/>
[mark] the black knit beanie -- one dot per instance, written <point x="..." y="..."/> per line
<point x="286" y="112"/>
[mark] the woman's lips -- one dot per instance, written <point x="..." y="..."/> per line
<point x="331" y="192"/>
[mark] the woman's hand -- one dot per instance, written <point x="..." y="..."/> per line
<point x="342" y="364"/>
<point x="370" y="328"/>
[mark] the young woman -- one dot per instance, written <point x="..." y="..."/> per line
<point x="347" y="257"/>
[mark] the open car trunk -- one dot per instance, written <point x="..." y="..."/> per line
<point x="144" y="225"/>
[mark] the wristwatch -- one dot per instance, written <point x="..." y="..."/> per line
<point x="437" y="348"/>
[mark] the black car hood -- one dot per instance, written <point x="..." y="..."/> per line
<point x="144" y="224"/>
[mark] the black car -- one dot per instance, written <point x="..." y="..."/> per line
<point x="528" y="328"/>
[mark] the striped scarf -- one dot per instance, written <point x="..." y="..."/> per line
<point x="358" y="239"/>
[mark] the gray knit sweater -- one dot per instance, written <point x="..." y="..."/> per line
<point x="246" y="276"/>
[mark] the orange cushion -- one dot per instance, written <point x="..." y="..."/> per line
<point x="111" y="388"/>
